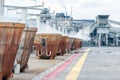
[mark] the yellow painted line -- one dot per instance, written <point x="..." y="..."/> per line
<point x="74" y="73"/>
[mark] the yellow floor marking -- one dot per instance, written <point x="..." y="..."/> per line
<point x="74" y="73"/>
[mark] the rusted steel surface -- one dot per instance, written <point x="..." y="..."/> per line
<point x="79" y="43"/>
<point x="67" y="41"/>
<point x="25" y="47"/>
<point x="73" y="44"/>
<point x="47" y="45"/>
<point x="76" y="44"/>
<point x="37" y="43"/>
<point x="64" y="45"/>
<point x="70" y="43"/>
<point x="10" y="35"/>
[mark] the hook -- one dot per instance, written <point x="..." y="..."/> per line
<point x="48" y="54"/>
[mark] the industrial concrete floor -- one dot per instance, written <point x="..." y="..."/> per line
<point x="101" y="63"/>
<point x="37" y="66"/>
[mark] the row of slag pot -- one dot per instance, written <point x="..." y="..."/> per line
<point x="16" y="41"/>
<point x="48" y="46"/>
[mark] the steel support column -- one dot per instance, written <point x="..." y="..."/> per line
<point x="99" y="39"/>
<point x="24" y="15"/>
<point x="106" y="39"/>
<point x="1" y="7"/>
<point x="38" y="21"/>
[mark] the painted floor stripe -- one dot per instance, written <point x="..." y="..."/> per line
<point x="74" y="73"/>
<point x="53" y="74"/>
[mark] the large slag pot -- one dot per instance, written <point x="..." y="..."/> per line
<point x="10" y="35"/>
<point x="46" y="45"/>
<point x="25" y="47"/>
<point x="77" y="43"/>
<point x="64" y="45"/>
